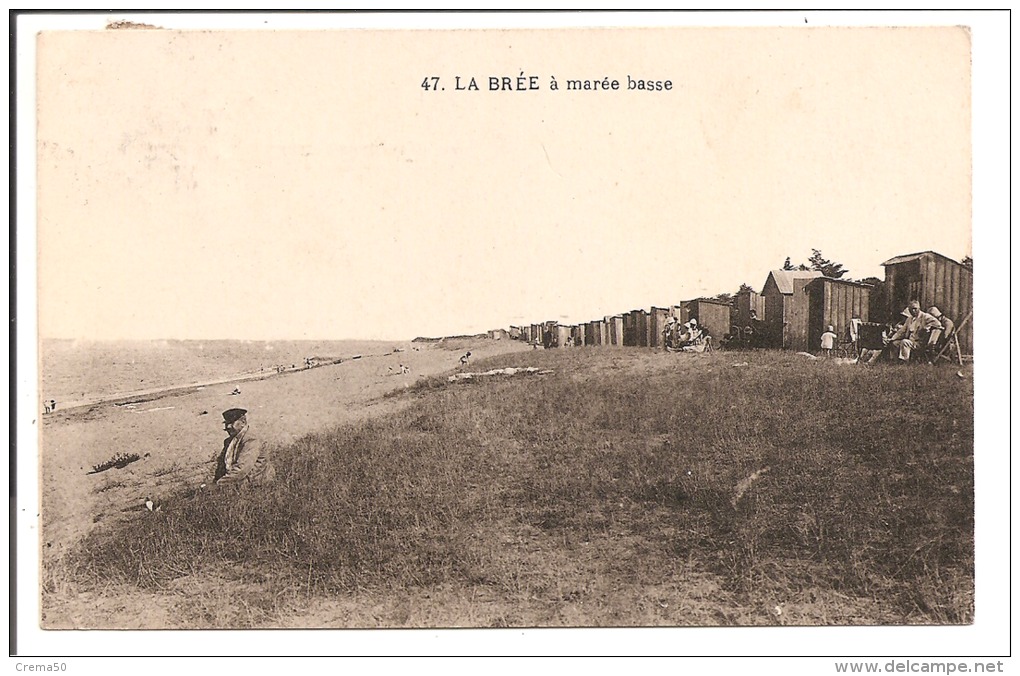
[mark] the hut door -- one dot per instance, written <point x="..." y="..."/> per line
<point x="906" y="286"/>
<point x="775" y="311"/>
<point x="915" y="291"/>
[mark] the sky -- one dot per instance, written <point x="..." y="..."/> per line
<point x="303" y="185"/>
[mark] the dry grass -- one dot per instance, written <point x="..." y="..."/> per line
<point x="629" y="487"/>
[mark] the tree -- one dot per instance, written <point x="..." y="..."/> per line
<point x="787" y="265"/>
<point x="967" y="262"/>
<point x="747" y="287"/>
<point x="825" y="266"/>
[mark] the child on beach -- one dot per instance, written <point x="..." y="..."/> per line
<point x="828" y="341"/>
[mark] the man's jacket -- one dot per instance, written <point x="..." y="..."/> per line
<point x="244" y="460"/>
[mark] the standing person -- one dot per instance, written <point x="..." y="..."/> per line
<point x="244" y="459"/>
<point x="912" y="333"/>
<point x="828" y="341"/>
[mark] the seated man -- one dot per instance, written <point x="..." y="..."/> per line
<point x="912" y="334"/>
<point x="244" y="460"/>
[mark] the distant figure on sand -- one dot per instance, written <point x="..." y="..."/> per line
<point x="237" y="390"/>
<point x="53" y="405"/>
<point x="244" y="460"/>
<point x="464" y="359"/>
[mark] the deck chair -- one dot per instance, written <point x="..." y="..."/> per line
<point x="947" y="350"/>
<point x="953" y="341"/>
<point x="869" y="341"/>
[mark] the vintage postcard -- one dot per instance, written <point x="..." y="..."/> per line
<point x="507" y="327"/>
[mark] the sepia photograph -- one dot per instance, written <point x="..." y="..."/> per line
<point x="505" y="327"/>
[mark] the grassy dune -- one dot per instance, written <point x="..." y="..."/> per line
<point x="628" y="487"/>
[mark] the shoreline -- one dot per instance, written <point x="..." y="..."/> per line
<point x="156" y="393"/>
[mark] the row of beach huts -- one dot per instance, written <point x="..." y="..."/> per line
<point x="791" y="312"/>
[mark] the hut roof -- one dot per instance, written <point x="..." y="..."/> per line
<point x="784" y="278"/>
<point x="844" y="281"/>
<point x="714" y="301"/>
<point x="914" y="256"/>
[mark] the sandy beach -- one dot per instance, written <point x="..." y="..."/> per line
<point x="177" y="432"/>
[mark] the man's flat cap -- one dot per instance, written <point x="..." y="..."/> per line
<point x="232" y="415"/>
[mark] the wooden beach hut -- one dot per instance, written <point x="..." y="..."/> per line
<point x="615" y="325"/>
<point x="640" y="328"/>
<point x="712" y="315"/>
<point x="549" y="334"/>
<point x="745" y="302"/>
<point x="630" y="329"/>
<point x="831" y="302"/>
<point x="783" y="318"/>
<point x="932" y="280"/>
<point x="656" y="323"/>
<point x="563" y="333"/>
<point x="680" y="312"/>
